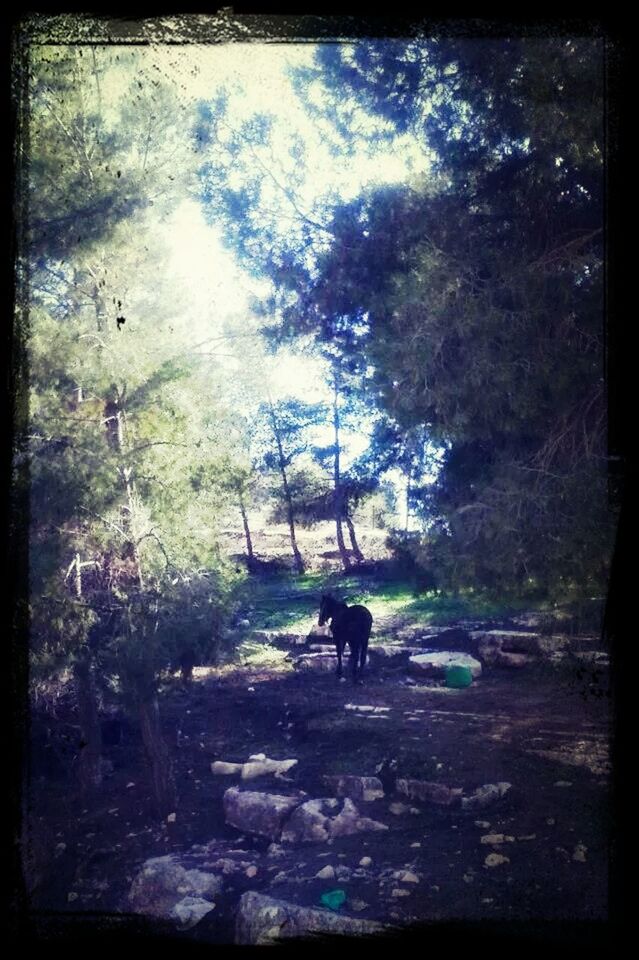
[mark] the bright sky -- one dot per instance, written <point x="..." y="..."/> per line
<point x="220" y="287"/>
<point x="255" y="75"/>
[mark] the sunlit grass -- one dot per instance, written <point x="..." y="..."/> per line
<point x="253" y="653"/>
<point x="291" y="603"/>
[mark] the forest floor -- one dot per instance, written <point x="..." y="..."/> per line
<point x="543" y="729"/>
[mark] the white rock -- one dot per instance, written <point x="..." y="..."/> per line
<point x="264" y="920"/>
<point x="190" y="911"/>
<point x="365" y="862"/>
<point x="261" y="765"/>
<point x="223" y="769"/>
<point x="495" y="860"/>
<point x="406" y="876"/>
<point x="326" y="873"/>
<point x="434" y="663"/>
<point x="485" y="795"/>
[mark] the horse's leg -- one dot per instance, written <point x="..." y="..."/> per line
<point x="354" y="644"/>
<point x="339" y="646"/>
<point x="362" y="655"/>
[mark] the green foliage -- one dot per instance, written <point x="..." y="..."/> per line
<point x="475" y="296"/>
<point x="118" y="433"/>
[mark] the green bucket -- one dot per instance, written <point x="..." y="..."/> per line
<point x="458" y="677"/>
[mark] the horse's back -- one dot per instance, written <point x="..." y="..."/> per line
<point x="360" y="618"/>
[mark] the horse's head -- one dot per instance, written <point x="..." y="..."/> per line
<point x="326" y="607"/>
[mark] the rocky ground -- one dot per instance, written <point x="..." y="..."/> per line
<point x="489" y="802"/>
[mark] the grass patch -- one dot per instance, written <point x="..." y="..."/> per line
<point x="288" y="602"/>
<point x="254" y="653"/>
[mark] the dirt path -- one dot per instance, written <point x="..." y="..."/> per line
<point x="544" y="732"/>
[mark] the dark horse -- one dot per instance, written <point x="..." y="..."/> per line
<point x="349" y="625"/>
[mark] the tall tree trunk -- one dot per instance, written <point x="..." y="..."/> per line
<point x="407" y="504"/>
<point x="338" y="496"/>
<point x="359" y="556"/>
<point x="157" y="753"/>
<point x="114" y="423"/>
<point x="299" y="562"/>
<point x="90" y="763"/>
<point x="247" y="532"/>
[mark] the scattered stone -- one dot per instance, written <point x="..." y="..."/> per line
<point x="275" y="850"/>
<point x="551" y="821"/>
<point x="400" y="892"/>
<point x="579" y="853"/>
<point x="399" y="808"/>
<point x="386" y="655"/>
<point x="406" y="876"/>
<point x="416" y="844"/>
<point x="263" y="920"/>
<point x="280" y="639"/>
<point x="365" y="862"/>
<point x="322" y="819"/>
<point x="485" y="795"/>
<point x="259" y="766"/>
<point x="163" y="888"/>
<point x="469" y="876"/>
<point x="495" y="860"/>
<point x="431" y="792"/>
<point x="434" y="663"/>
<point x="309" y="821"/>
<point x="326" y="873"/>
<point x="484" y="824"/>
<point x="260" y="813"/>
<point x="528" y="836"/>
<point x="358" y="905"/>
<point x="321" y="662"/>
<point x="563" y="783"/>
<point x="349" y="821"/>
<point x="71" y="896"/>
<point x="251" y="871"/>
<point x="190" y="910"/>
<point x="172" y="817"/>
<point x="496" y="838"/>
<point x="365" y="708"/>
<point x="364" y="789"/>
